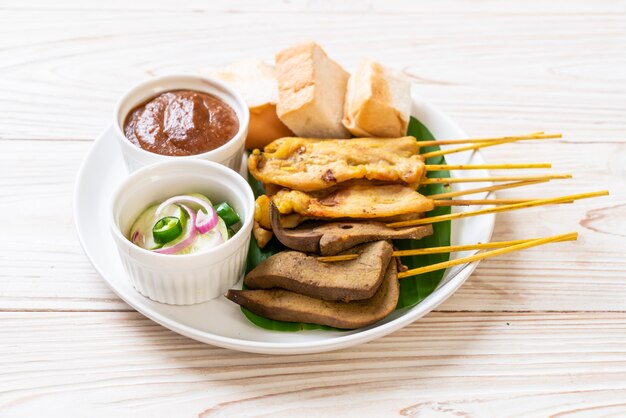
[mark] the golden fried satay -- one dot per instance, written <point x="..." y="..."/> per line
<point x="316" y="164"/>
<point x="360" y="201"/>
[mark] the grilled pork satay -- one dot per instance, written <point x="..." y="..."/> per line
<point x="315" y="164"/>
<point x="359" y="202"/>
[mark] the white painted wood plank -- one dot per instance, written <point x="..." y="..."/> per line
<point x="42" y="265"/>
<point x="493" y="68"/>
<point x="329" y="6"/>
<point x="461" y="364"/>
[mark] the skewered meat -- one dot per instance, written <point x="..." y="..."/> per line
<point x="359" y="201"/>
<point x="316" y="164"/>
<point x="330" y="238"/>
<point x="343" y="280"/>
<point x="284" y="305"/>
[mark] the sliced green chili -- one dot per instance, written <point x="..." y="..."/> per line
<point x="227" y="213"/>
<point x="167" y="229"/>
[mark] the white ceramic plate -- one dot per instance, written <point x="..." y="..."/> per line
<point x="220" y="322"/>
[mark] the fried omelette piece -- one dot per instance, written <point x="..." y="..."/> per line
<point x="315" y="164"/>
<point x="357" y="201"/>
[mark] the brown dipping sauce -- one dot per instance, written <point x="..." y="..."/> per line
<point x="181" y="122"/>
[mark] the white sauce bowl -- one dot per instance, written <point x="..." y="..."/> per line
<point x="189" y="278"/>
<point x="228" y="154"/>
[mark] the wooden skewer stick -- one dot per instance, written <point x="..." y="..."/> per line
<point x="440" y="167"/>
<point x="485" y="189"/>
<point x="333" y="258"/>
<point x="481" y="256"/>
<point x="503" y="208"/>
<point x="470" y="202"/>
<point x="479" y="246"/>
<point x="439" y="250"/>
<point x="482" y="144"/>
<point x="535" y="135"/>
<point x="449" y="180"/>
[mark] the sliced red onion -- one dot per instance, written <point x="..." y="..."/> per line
<point x="205" y="221"/>
<point x="187" y="240"/>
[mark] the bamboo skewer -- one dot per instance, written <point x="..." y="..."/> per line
<point x="441" y="167"/>
<point x="466" y="148"/>
<point x="333" y="258"/>
<point x="468" y="247"/>
<point x="483" y="144"/>
<point x="533" y="136"/>
<point x="481" y="256"/>
<point x="450" y="180"/>
<point x="485" y="189"/>
<point x="439" y="250"/>
<point x="497" y="209"/>
<point x="470" y="202"/>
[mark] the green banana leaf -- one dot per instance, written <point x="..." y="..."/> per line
<point x="412" y="289"/>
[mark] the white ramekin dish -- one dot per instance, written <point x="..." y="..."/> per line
<point x="189" y="278"/>
<point x="228" y="154"/>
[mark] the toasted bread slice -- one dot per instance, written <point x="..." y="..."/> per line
<point x="311" y="92"/>
<point x="378" y="102"/>
<point x="256" y="82"/>
<point x="343" y="280"/>
<point x="283" y="305"/>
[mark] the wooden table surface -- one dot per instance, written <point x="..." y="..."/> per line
<point x="535" y="333"/>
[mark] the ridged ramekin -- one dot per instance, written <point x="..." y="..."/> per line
<point x="228" y="154"/>
<point x="189" y="278"/>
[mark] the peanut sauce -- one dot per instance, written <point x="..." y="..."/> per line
<point x="181" y="122"/>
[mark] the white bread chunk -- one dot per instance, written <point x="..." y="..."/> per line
<point x="255" y="80"/>
<point x="378" y="102"/>
<point x="311" y="92"/>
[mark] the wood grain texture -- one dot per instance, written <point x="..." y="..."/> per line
<point x="446" y="365"/>
<point x="535" y="333"/>
<point x="495" y="69"/>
